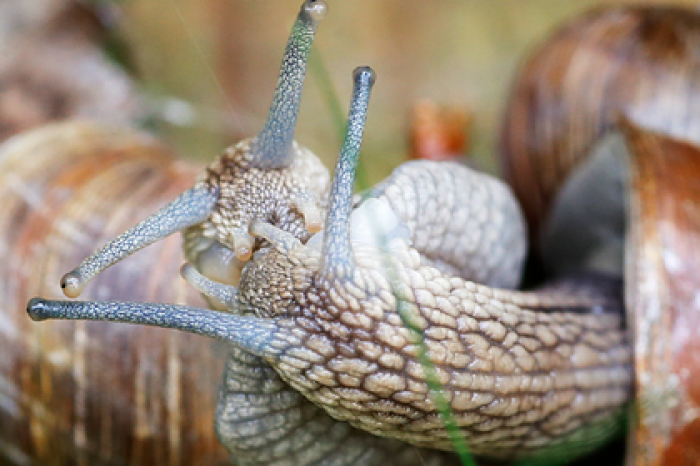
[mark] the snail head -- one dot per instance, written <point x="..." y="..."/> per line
<point x="269" y="333"/>
<point x="268" y="177"/>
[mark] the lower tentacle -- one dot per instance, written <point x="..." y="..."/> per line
<point x="249" y="333"/>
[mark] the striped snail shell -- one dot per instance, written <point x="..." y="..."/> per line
<point x="94" y="393"/>
<point x="631" y="71"/>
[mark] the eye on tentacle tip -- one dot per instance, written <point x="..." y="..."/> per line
<point x="72" y="284"/>
<point x="315" y="10"/>
<point x="364" y="75"/>
<point x="306" y="204"/>
<point x="37" y="309"/>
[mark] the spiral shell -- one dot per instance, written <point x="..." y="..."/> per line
<point x="96" y="393"/>
<point x="632" y="70"/>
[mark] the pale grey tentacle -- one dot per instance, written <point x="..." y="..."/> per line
<point x="190" y="208"/>
<point x="272" y="148"/>
<point x="256" y="336"/>
<point x="337" y="251"/>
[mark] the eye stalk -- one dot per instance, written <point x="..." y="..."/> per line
<point x="272" y="148"/>
<point x="190" y="208"/>
<point x="337" y="252"/>
<point x="248" y="333"/>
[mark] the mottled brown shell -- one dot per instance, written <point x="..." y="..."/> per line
<point x="85" y="393"/>
<point x="663" y="279"/>
<point x="595" y="74"/>
<point x="640" y="61"/>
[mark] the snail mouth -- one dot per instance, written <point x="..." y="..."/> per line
<point x="220" y="264"/>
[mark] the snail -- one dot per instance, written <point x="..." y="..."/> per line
<point x="364" y="329"/>
<point x="284" y="247"/>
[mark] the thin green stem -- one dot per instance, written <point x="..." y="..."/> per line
<point x="435" y="387"/>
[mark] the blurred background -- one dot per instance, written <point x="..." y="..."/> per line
<point x="208" y="67"/>
<point x="211" y="65"/>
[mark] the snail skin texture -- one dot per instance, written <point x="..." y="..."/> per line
<point x="338" y="345"/>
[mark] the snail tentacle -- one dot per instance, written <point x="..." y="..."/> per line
<point x="225" y="294"/>
<point x="337" y="252"/>
<point x="307" y="205"/>
<point x="251" y="334"/>
<point x="272" y="148"/>
<point x="279" y="238"/>
<point x="190" y="208"/>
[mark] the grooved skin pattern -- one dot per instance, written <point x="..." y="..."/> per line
<point x="262" y="421"/>
<point x="517" y="380"/>
<point x="465" y="223"/>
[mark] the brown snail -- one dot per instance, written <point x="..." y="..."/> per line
<point x="259" y="229"/>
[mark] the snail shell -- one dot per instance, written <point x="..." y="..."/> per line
<point x="94" y="393"/>
<point x="632" y="70"/>
<point x="662" y="282"/>
<point x="640" y="61"/>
